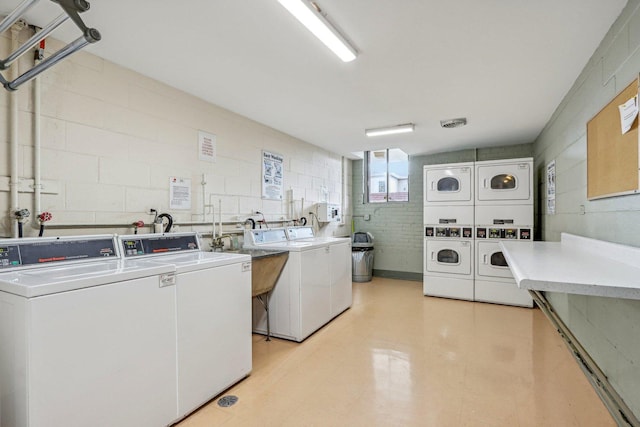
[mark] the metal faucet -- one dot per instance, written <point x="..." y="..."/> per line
<point x="217" y="243"/>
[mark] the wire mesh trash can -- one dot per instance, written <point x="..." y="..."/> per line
<point x="362" y="257"/>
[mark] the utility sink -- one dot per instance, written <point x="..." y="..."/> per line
<point x="266" y="266"/>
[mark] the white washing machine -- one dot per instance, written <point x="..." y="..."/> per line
<point x="213" y="312"/>
<point x="493" y="279"/>
<point x="504" y="182"/>
<point x="448" y="184"/>
<point x="339" y="266"/>
<point x="300" y="302"/>
<point x="86" y="339"/>
<point x="448" y="262"/>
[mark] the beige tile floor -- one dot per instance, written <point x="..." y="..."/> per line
<point x="397" y="358"/>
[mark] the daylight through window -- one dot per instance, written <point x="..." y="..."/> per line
<point x="387" y="176"/>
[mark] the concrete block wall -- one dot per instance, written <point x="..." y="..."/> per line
<point x="398" y="226"/>
<point x="608" y="328"/>
<point x="112" y="138"/>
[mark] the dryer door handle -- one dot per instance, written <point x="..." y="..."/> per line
<point x="484" y="259"/>
<point x="433" y="256"/>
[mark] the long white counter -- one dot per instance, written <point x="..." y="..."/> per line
<point x="576" y="265"/>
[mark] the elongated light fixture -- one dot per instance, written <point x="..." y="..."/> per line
<point x="309" y="14"/>
<point x="390" y="130"/>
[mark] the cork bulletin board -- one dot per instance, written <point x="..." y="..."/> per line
<point x="612" y="157"/>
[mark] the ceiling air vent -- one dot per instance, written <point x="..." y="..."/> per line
<point x="453" y="123"/>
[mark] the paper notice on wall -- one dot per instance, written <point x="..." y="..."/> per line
<point x="628" y="113"/>
<point x="206" y="146"/>
<point x="179" y="193"/>
<point x="551" y="188"/>
<point x="272" y="176"/>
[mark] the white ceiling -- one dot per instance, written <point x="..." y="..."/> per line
<point x="505" y="65"/>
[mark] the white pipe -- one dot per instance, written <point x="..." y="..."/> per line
<point x="343" y="210"/>
<point x="37" y="144"/>
<point x="13" y="135"/>
<point x="204" y="196"/>
<point x="213" y="217"/>
<point x="220" y="216"/>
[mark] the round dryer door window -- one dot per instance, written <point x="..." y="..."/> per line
<point x="448" y="184"/>
<point x="503" y="182"/>
<point x="448" y="256"/>
<point x="498" y="260"/>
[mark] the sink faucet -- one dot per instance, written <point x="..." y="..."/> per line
<point x="217" y="243"/>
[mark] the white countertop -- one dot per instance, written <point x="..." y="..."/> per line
<point x="575" y="265"/>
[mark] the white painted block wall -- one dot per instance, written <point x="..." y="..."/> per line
<point x="111" y="138"/>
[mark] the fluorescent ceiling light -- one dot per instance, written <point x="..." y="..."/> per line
<point x="390" y="130"/>
<point x="309" y="15"/>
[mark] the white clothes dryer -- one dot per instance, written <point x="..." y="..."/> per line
<point x="504" y="182"/>
<point x="493" y="279"/>
<point x="213" y="312"/>
<point x="448" y="184"/>
<point x="300" y="302"/>
<point x="87" y="339"/>
<point x="448" y="262"/>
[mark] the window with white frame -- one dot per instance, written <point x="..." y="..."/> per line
<point x="387" y="176"/>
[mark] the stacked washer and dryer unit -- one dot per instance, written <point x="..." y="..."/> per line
<point x="448" y="218"/>
<point x="468" y="209"/>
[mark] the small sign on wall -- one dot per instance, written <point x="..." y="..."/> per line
<point x="272" y="175"/>
<point x="179" y="193"/>
<point x="206" y="146"/>
<point x="551" y="188"/>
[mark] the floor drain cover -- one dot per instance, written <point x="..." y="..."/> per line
<point x="227" y="401"/>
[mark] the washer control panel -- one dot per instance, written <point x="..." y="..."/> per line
<point x="40" y="251"/>
<point x="157" y="244"/>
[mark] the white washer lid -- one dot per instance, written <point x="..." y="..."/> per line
<point x="192" y="261"/>
<point x="295" y="246"/>
<point x="45" y="281"/>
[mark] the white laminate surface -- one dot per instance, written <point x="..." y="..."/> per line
<point x="576" y="265"/>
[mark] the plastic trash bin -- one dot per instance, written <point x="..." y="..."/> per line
<point x="362" y="257"/>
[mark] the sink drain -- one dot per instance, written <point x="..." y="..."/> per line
<point x="227" y="401"/>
